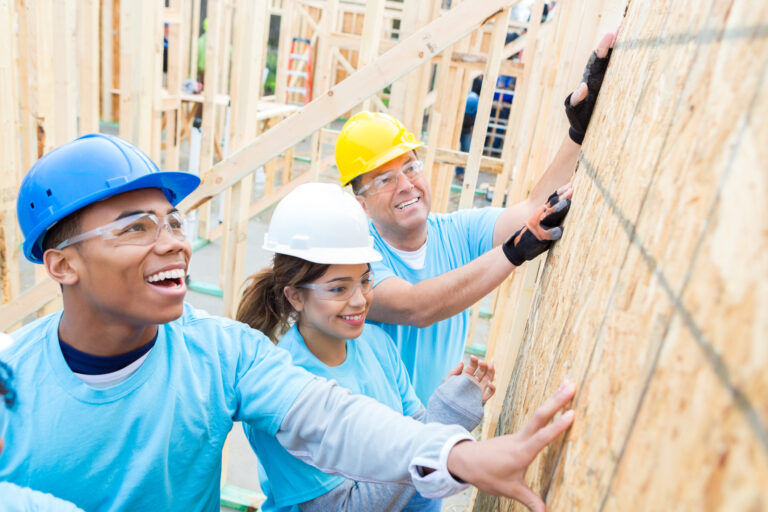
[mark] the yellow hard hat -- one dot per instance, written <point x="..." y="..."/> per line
<point x="369" y="140"/>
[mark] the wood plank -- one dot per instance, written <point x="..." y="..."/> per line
<point x="212" y="41"/>
<point x="484" y="109"/>
<point x="28" y="302"/>
<point x="88" y="64"/>
<point x="10" y="157"/>
<point x="369" y="44"/>
<point x="105" y="53"/>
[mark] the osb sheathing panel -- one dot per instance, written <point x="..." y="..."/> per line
<point x="656" y="300"/>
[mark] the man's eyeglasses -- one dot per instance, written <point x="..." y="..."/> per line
<point x="387" y="181"/>
<point x="137" y="229"/>
<point x="341" y="290"/>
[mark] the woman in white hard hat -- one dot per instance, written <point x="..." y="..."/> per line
<point x="319" y="289"/>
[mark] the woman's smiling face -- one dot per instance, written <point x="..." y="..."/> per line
<point x="330" y="317"/>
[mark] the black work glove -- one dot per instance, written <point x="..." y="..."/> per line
<point x="524" y="246"/>
<point x="557" y="217"/>
<point x="580" y="114"/>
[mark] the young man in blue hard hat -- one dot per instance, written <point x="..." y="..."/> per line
<point x="124" y="398"/>
<point x="436" y="266"/>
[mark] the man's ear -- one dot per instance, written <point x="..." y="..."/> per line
<point x="295" y="297"/>
<point x="60" y="266"/>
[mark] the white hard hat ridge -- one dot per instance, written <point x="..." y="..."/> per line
<point x="319" y="222"/>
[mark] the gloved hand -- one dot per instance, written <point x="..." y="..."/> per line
<point x="539" y="233"/>
<point x="580" y="103"/>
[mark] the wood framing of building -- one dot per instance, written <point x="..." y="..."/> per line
<point x="655" y="300"/>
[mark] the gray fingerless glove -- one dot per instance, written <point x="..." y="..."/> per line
<point x="458" y="401"/>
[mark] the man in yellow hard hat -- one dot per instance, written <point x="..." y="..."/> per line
<point x="437" y="265"/>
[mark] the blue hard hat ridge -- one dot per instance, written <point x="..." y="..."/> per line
<point x="88" y="169"/>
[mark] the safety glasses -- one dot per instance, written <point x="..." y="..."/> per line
<point x="137" y="229"/>
<point x="342" y="289"/>
<point x="388" y="181"/>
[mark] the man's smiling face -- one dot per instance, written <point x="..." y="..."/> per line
<point x="131" y="284"/>
<point x="403" y="209"/>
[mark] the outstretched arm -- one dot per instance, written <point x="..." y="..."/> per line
<point x="359" y="438"/>
<point x="579" y="105"/>
<point x="397" y="301"/>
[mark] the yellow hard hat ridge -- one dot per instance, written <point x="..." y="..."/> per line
<point x="369" y="140"/>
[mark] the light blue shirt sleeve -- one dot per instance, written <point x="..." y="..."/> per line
<point x="22" y="499"/>
<point x="266" y="382"/>
<point x="477" y="225"/>
<point x="380" y="272"/>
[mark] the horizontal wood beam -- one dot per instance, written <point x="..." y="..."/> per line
<point x="28" y="302"/>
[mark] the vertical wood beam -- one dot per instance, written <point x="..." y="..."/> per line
<point x="283" y="50"/>
<point x="64" y="70"/>
<point x="369" y="46"/>
<point x="194" y="38"/>
<point x="10" y="156"/>
<point x="88" y="64"/>
<point x="248" y="65"/>
<point x="324" y="71"/>
<point x="106" y="59"/>
<point x="484" y="109"/>
<point x="175" y="74"/>
<point x="139" y="28"/>
<point x="212" y="42"/>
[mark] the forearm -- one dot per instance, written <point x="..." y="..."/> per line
<point x="361" y="439"/>
<point x="429" y="301"/>
<point x="559" y="172"/>
<point x="353" y="496"/>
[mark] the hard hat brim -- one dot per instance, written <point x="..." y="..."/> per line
<point x="396" y="151"/>
<point x="176" y="185"/>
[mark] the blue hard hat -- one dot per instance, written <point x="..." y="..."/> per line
<point x="472" y="99"/>
<point x="88" y="169"/>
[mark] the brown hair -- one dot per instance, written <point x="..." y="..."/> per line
<point x="264" y="305"/>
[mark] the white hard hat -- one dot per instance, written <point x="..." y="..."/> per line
<point x="319" y="222"/>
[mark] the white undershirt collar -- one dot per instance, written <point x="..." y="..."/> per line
<point x="413" y="259"/>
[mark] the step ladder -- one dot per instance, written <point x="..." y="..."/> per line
<point x="299" y="73"/>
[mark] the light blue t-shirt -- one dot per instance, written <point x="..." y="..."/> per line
<point x="21" y="499"/>
<point x="453" y="240"/>
<point x="372" y="368"/>
<point x="154" y="441"/>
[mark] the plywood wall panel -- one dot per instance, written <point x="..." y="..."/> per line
<point x="656" y="300"/>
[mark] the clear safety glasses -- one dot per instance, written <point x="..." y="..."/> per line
<point x="341" y="289"/>
<point x="137" y="229"/>
<point x="387" y="181"/>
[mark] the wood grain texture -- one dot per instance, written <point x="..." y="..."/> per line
<point x="656" y="300"/>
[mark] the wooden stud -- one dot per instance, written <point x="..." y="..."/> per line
<point x="106" y="59"/>
<point x="10" y="157"/>
<point x="484" y="109"/>
<point x="283" y="49"/>
<point x="212" y="40"/>
<point x="88" y="64"/>
<point x="64" y="71"/>
<point x="369" y="46"/>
